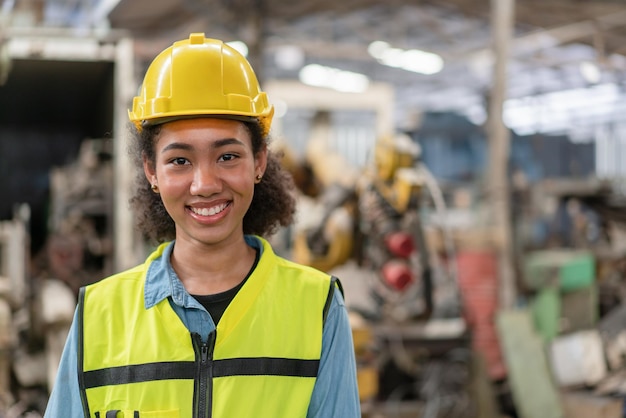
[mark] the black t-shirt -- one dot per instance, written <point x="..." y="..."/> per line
<point x="216" y="304"/>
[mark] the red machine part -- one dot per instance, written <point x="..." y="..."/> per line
<point x="397" y="274"/>
<point x="400" y="244"/>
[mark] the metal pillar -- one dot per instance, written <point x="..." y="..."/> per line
<point x="128" y="249"/>
<point x="499" y="146"/>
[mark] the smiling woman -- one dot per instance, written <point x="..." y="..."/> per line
<point x="271" y="207"/>
<point x="205" y="171"/>
<point x="214" y="317"/>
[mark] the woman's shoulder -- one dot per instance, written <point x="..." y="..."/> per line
<point x="134" y="275"/>
<point x="302" y="269"/>
<point x="122" y="280"/>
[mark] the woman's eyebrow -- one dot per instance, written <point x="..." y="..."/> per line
<point x="188" y="147"/>
<point x="227" y="141"/>
<point x="177" y="146"/>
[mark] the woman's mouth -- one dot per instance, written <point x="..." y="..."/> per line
<point x="209" y="211"/>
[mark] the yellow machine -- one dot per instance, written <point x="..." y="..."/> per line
<point x="395" y="175"/>
<point x="375" y="232"/>
<point x="374" y="221"/>
<point x="331" y="242"/>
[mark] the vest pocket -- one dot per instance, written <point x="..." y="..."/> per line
<point x="172" y="413"/>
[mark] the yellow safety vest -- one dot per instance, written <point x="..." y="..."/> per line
<point x="261" y="362"/>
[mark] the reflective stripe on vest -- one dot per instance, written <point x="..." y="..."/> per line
<point x="261" y="361"/>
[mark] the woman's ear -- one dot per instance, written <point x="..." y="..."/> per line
<point x="149" y="170"/>
<point x="260" y="161"/>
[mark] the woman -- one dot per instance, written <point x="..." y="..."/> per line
<point x="213" y="324"/>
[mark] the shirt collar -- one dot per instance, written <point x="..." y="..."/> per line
<point x="158" y="278"/>
<point x="162" y="281"/>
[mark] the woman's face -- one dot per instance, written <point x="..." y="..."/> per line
<point x="205" y="171"/>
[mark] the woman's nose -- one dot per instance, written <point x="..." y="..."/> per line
<point x="206" y="181"/>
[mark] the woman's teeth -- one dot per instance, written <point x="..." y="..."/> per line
<point x="209" y="211"/>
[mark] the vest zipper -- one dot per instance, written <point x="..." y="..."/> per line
<point x="203" y="396"/>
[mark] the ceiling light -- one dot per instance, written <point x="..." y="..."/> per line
<point x="377" y="48"/>
<point x="414" y="60"/>
<point x="239" y="46"/>
<point x="340" y="80"/>
<point x="590" y="72"/>
<point x="289" y="57"/>
<point x="421" y="62"/>
<point x="280" y="108"/>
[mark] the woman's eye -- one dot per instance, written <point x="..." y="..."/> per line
<point x="179" y="161"/>
<point x="228" y="157"/>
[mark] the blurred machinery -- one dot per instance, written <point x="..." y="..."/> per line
<point x="377" y="222"/>
<point x="411" y="345"/>
<point x="38" y="294"/>
<point x="58" y="215"/>
<point x="34" y="319"/>
<point x="393" y="243"/>
<point x="79" y="250"/>
<point x="13" y="255"/>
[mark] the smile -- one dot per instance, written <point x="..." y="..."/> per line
<point x="209" y="211"/>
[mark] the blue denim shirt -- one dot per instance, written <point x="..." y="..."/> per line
<point x="335" y="393"/>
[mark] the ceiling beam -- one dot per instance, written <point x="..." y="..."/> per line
<point x="567" y="33"/>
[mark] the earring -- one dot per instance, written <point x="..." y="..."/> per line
<point x="259" y="177"/>
<point x="155" y="188"/>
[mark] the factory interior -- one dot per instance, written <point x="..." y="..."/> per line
<point x="459" y="165"/>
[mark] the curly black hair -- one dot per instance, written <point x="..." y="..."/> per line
<point x="273" y="204"/>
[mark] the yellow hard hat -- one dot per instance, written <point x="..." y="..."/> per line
<point x="200" y="77"/>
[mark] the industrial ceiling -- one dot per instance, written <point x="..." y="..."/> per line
<point x="572" y="46"/>
<point x="571" y="49"/>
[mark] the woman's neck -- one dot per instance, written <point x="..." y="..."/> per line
<point x="206" y="270"/>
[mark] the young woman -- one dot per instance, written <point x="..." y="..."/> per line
<point x="214" y="323"/>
